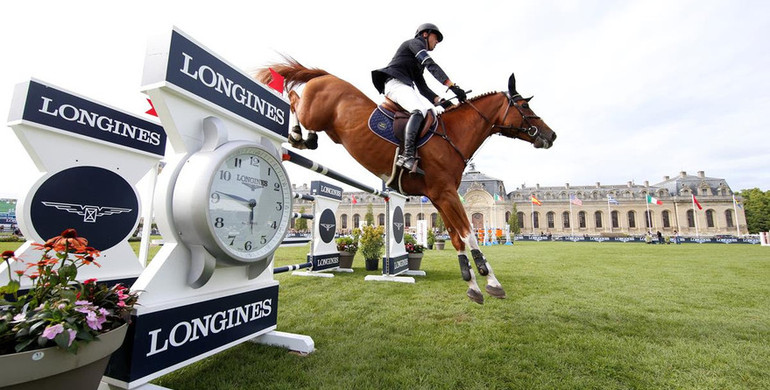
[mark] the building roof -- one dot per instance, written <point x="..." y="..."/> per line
<point x="474" y="177"/>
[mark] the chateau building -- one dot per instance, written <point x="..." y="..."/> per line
<point x="609" y="210"/>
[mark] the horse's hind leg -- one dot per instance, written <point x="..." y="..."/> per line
<point x="494" y="288"/>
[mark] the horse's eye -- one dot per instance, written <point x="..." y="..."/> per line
<point x="525" y="105"/>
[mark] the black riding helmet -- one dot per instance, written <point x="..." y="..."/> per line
<point x="429" y="27"/>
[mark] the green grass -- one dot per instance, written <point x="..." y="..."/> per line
<point x="577" y="316"/>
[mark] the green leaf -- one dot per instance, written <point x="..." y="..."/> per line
<point x="11" y="288"/>
<point x="62" y="339"/>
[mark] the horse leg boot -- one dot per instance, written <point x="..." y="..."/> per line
<point x="494" y="288"/>
<point x="407" y="160"/>
<point x="474" y="292"/>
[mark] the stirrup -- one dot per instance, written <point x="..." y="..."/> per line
<point x="403" y="163"/>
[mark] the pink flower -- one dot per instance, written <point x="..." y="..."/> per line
<point x="51" y="331"/>
<point x="72" y="336"/>
<point x="19" y="317"/>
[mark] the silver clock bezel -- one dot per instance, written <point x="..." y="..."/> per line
<point x="191" y="202"/>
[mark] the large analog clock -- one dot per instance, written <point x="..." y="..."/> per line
<point x="234" y="202"/>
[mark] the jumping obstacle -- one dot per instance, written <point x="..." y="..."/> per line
<point x="395" y="262"/>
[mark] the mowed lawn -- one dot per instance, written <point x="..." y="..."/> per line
<point x="577" y="316"/>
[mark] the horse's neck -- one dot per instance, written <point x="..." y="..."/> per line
<point x="475" y="128"/>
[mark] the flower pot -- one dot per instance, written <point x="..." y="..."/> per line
<point x="372" y="264"/>
<point x="415" y="259"/>
<point x="346" y="259"/>
<point x="54" y="368"/>
<point x="439" y="245"/>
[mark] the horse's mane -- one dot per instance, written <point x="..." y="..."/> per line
<point x="473" y="99"/>
<point x="293" y="72"/>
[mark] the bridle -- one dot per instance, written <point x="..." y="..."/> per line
<point x="513" y="101"/>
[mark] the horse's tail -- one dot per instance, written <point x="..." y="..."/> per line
<point x="292" y="71"/>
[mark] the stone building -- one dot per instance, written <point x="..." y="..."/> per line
<point x="489" y="205"/>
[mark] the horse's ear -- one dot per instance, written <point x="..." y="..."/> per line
<point x="529" y="98"/>
<point x="512" y="85"/>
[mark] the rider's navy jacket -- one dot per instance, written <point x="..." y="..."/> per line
<point x="407" y="66"/>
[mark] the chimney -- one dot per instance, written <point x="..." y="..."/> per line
<point x="537" y="186"/>
<point x="665" y="178"/>
<point x="646" y="183"/>
<point x="566" y="185"/>
<point x="682" y="173"/>
<point x="598" y="185"/>
<point x="701" y="174"/>
<point x="630" y="184"/>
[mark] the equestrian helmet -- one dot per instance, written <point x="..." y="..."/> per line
<point x="429" y="27"/>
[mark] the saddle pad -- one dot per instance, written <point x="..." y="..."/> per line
<point x="381" y="123"/>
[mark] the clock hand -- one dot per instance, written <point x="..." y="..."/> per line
<point x="238" y="198"/>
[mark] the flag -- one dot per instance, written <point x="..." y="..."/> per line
<point x="423" y="199"/>
<point x="574" y="200"/>
<point x="652" y="200"/>
<point x="353" y="199"/>
<point x="695" y="200"/>
<point x="277" y="81"/>
<point x="611" y="200"/>
<point x="535" y="200"/>
<point x="151" y="111"/>
<point x="461" y="198"/>
<point x="497" y="197"/>
<point x="737" y="202"/>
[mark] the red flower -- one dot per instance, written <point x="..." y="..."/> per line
<point x="89" y="281"/>
<point x="69" y="239"/>
<point x="9" y="255"/>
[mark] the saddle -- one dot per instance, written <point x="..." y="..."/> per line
<point x="388" y="121"/>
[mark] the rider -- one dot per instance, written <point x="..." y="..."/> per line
<point x="403" y="74"/>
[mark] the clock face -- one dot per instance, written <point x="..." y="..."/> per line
<point x="249" y="203"/>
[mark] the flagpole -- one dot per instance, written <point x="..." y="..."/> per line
<point x="695" y="216"/>
<point x="609" y="214"/>
<point x="532" y="206"/>
<point x="572" y="219"/>
<point x="735" y="210"/>
<point x="649" y="222"/>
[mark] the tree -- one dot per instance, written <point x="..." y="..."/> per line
<point x="757" y="207"/>
<point x="440" y="224"/>
<point x="513" y="221"/>
<point x="301" y="224"/>
<point x="369" y="217"/>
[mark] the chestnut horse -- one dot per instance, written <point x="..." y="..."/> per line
<point x="336" y="107"/>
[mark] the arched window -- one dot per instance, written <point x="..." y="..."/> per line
<point x="344" y="221"/>
<point x="433" y="220"/>
<point x="710" y="218"/>
<point x="420" y="216"/>
<point x="549" y="219"/>
<point x="520" y="217"/>
<point x="631" y="219"/>
<point x="507" y="216"/>
<point x="536" y="220"/>
<point x="666" y="218"/>
<point x="381" y="219"/>
<point x="408" y="219"/>
<point x="356" y="220"/>
<point x="565" y="220"/>
<point x="615" y="219"/>
<point x="729" y="218"/>
<point x="582" y="219"/>
<point x="598" y="219"/>
<point x="690" y="219"/>
<point x="648" y="219"/>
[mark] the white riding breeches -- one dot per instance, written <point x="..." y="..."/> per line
<point x="408" y="97"/>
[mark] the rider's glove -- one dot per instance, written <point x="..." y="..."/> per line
<point x="445" y="103"/>
<point x="461" y="97"/>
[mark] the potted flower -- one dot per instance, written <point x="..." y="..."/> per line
<point x="439" y="243"/>
<point x="414" y="251"/>
<point x="431" y="239"/>
<point x="371" y="244"/>
<point x="61" y="332"/>
<point x="348" y="246"/>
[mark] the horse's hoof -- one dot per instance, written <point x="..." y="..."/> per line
<point x="475" y="296"/>
<point x="496" y="291"/>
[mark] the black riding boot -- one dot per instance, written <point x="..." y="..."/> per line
<point x="406" y="160"/>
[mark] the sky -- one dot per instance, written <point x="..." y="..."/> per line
<point x="636" y="90"/>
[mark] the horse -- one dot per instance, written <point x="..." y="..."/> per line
<point x="334" y="106"/>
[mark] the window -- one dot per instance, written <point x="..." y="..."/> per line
<point x="381" y="219"/>
<point x="582" y="219"/>
<point x="666" y="219"/>
<point x="648" y="219"/>
<point x="433" y="220"/>
<point x="520" y="217"/>
<point x="690" y="219"/>
<point x="536" y="220"/>
<point x="710" y="218"/>
<point x="631" y="219"/>
<point x="420" y="216"/>
<point x="598" y="219"/>
<point x="729" y="218"/>
<point x="356" y="220"/>
<point x="408" y="219"/>
<point x="565" y="219"/>
<point x="549" y="219"/>
<point x="615" y="219"/>
<point x="344" y="221"/>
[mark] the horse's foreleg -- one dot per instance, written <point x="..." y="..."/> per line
<point x="453" y="220"/>
<point x="493" y="287"/>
